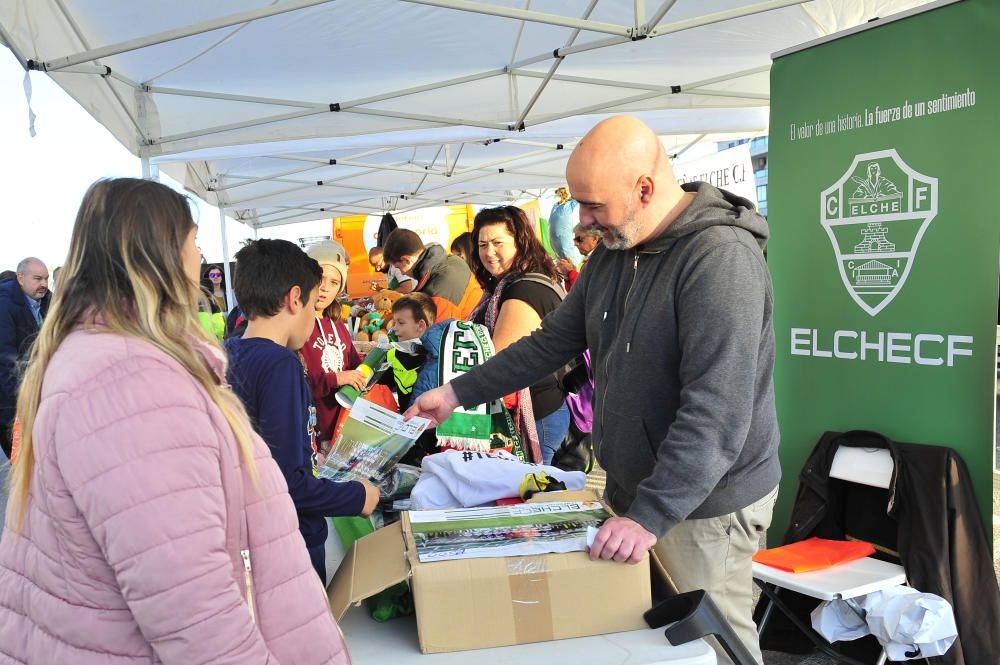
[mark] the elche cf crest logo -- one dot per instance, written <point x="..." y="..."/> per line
<point x="875" y="215"/>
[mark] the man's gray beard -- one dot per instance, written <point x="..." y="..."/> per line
<point x="624" y="236"/>
<point x="618" y="241"/>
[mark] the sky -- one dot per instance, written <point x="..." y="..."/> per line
<point x="43" y="178"/>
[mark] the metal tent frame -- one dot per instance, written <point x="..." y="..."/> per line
<point x="288" y="111"/>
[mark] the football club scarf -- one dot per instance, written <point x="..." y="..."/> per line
<point x="483" y="427"/>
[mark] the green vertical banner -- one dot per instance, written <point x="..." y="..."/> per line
<point x="885" y="240"/>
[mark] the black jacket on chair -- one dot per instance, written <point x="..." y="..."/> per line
<point x="940" y="538"/>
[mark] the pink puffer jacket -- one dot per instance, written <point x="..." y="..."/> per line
<point x="130" y="551"/>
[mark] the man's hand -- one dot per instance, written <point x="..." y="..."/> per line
<point x="565" y="266"/>
<point x="435" y="404"/>
<point x="371" y="498"/>
<point x="621" y="539"/>
<point x="352" y="378"/>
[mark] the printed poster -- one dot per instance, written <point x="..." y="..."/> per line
<point x="518" y="530"/>
<point x="884" y="240"/>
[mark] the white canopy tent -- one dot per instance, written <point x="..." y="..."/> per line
<point x="282" y="111"/>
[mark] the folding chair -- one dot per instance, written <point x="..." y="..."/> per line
<point x="846" y="581"/>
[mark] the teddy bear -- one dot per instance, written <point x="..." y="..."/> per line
<point x="384" y="300"/>
<point x="377" y="324"/>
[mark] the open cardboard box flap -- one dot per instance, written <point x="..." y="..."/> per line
<point x="384" y="557"/>
<point x="509" y="600"/>
<point x="384" y="554"/>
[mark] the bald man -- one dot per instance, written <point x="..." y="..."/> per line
<point x="676" y="310"/>
<point x="24" y="301"/>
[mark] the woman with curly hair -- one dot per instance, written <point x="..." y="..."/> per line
<point x="520" y="286"/>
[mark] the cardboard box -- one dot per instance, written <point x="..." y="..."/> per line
<point x="478" y="603"/>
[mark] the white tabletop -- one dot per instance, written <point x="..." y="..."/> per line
<point x="395" y="642"/>
<point x="846" y="580"/>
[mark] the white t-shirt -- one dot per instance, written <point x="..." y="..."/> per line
<point x="395" y="273"/>
<point x="458" y="478"/>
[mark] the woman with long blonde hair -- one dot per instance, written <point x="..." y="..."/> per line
<point x="147" y="523"/>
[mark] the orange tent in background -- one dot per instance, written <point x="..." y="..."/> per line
<point x="357" y="233"/>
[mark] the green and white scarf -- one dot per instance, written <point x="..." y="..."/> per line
<point x="485" y="426"/>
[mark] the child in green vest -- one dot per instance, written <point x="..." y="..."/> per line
<point x="412" y="315"/>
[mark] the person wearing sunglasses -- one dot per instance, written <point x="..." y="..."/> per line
<point x="586" y="239"/>
<point x="216" y="286"/>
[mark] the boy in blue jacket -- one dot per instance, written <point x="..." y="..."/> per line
<point x="276" y="285"/>
<point x="412" y="315"/>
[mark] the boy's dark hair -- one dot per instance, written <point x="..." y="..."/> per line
<point x="266" y="270"/>
<point x="462" y="244"/>
<point x="420" y="305"/>
<point x="400" y="243"/>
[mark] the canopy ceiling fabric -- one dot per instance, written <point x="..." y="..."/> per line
<point x="294" y="110"/>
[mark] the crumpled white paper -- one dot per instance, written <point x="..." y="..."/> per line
<point x="837" y="622"/>
<point x="909" y="624"/>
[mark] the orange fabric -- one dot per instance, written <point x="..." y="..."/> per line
<point x="446" y="309"/>
<point x="813" y="554"/>
<point x="473" y="294"/>
<point x="379" y="394"/>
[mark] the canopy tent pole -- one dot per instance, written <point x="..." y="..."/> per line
<point x="9" y="43"/>
<point x="277" y="177"/>
<point x="687" y="147"/>
<point x="350" y="207"/>
<point x="718" y="17"/>
<point x="178" y="33"/>
<point x="145" y="167"/>
<point x="254" y="199"/>
<point x="639" y="10"/>
<point x="106" y="70"/>
<point x="660" y="13"/>
<point x="230" y="299"/>
<point x="529" y="15"/>
<point x="692" y="87"/>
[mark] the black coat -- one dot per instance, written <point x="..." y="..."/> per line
<point x="17" y="331"/>
<point x="385" y="227"/>
<point x="939" y="535"/>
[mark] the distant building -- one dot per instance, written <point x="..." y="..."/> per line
<point x="758" y="156"/>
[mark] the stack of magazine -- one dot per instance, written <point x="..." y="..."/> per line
<point x="371" y="443"/>
<point x="522" y="529"/>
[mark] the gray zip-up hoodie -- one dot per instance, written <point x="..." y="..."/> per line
<point x="683" y="351"/>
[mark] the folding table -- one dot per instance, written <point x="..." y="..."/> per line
<point x="395" y="641"/>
